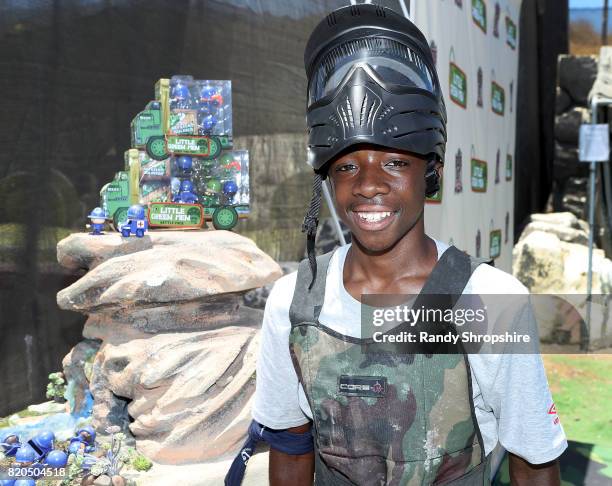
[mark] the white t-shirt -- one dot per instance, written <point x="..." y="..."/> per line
<point x="511" y="397"/>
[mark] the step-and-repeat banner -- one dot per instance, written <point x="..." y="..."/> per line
<point x="475" y="43"/>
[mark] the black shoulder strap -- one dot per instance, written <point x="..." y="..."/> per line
<point x="452" y="273"/>
<point x="306" y="303"/>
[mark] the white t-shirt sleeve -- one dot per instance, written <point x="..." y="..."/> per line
<point x="514" y="389"/>
<point x="276" y="403"/>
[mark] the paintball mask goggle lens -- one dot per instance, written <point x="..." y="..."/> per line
<point x="395" y="65"/>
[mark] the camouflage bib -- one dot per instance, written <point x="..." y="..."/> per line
<point x="384" y="418"/>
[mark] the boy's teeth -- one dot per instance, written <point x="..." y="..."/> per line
<point x="373" y="217"/>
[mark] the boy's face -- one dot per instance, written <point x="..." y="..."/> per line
<point x="379" y="194"/>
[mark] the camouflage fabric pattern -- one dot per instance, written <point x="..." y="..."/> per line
<point x="421" y="431"/>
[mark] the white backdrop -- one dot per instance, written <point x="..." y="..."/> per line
<point x="476" y="209"/>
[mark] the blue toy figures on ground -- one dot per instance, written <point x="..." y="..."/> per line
<point x="97" y="217"/>
<point x="136" y="222"/>
<point x="10" y="444"/>
<point x="85" y="439"/>
<point x="42" y="444"/>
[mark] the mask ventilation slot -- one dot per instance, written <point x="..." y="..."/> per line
<point x="355" y="10"/>
<point x="331" y="19"/>
<point x="357" y="112"/>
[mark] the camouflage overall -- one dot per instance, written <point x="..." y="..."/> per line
<point x="416" y="424"/>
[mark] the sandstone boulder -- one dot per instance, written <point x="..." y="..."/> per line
<point x="186" y="268"/>
<point x="176" y="360"/>
<point x="187" y="394"/>
<point x="564" y="225"/>
<point x="546" y="264"/>
<point x="84" y="251"/>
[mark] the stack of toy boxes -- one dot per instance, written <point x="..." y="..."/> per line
<point x="191" y="110"/>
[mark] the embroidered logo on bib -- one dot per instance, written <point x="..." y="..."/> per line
<point x="362" y="386"/>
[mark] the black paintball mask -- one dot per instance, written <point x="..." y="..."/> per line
<point x="371" y="79"/>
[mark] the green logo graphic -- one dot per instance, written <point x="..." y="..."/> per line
<point x="495" y="243"/>
<point x="458" y="85"/>
<point x="498" y="99"/>
<point x="510" y="33"/>
<point x="175" y="214"/>
<point x="508" y="167"/>
<point x="479" y="175"/>
<point x="479" y="14"/>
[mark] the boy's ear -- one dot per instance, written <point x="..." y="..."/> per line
<point x="433" y="174"/>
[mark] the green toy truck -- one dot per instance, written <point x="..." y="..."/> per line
<point x="162" y="132"/>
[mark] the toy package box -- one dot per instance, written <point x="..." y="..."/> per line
<point x="223" y="181"/>
<point x="198" y="106"/>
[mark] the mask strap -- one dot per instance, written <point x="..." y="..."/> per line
<point x="311" y="221"/>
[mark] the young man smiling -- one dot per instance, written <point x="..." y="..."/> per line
<point x="377" y="130"/>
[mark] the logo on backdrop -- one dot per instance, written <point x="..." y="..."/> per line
<point x="498" y="99"/>
<point x="458" y="84"/>
<point x="508" y="167"/>
<point x="479" y="14"/>
<point x="511" y="33"/>
<point x="478" y="175"/>
<point x="495" y="238"/>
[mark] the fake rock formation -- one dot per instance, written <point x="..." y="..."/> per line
<point x="176" y="363"/>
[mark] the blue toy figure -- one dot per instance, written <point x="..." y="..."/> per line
<point x="56" y="459"/>
<point x="97" y="217"/>
<point x="230" y="188"/>
<point x="25" y="456"/>
<point x="180" y="97"/>
<point x="186" y="194"/>
<point x="185" y="164"/>
<point x="10" y="444"/>
<point x="206" y="123"/>
<point x="136" y="222"/>
<point x="210" y="98"/>
<point x="86" y="438"/>
<point x="24" y="482"/>
<point x="42" y="443"/>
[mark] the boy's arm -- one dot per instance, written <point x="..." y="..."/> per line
<point x="524" y="473"/>
<point x="292" y="470"/>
